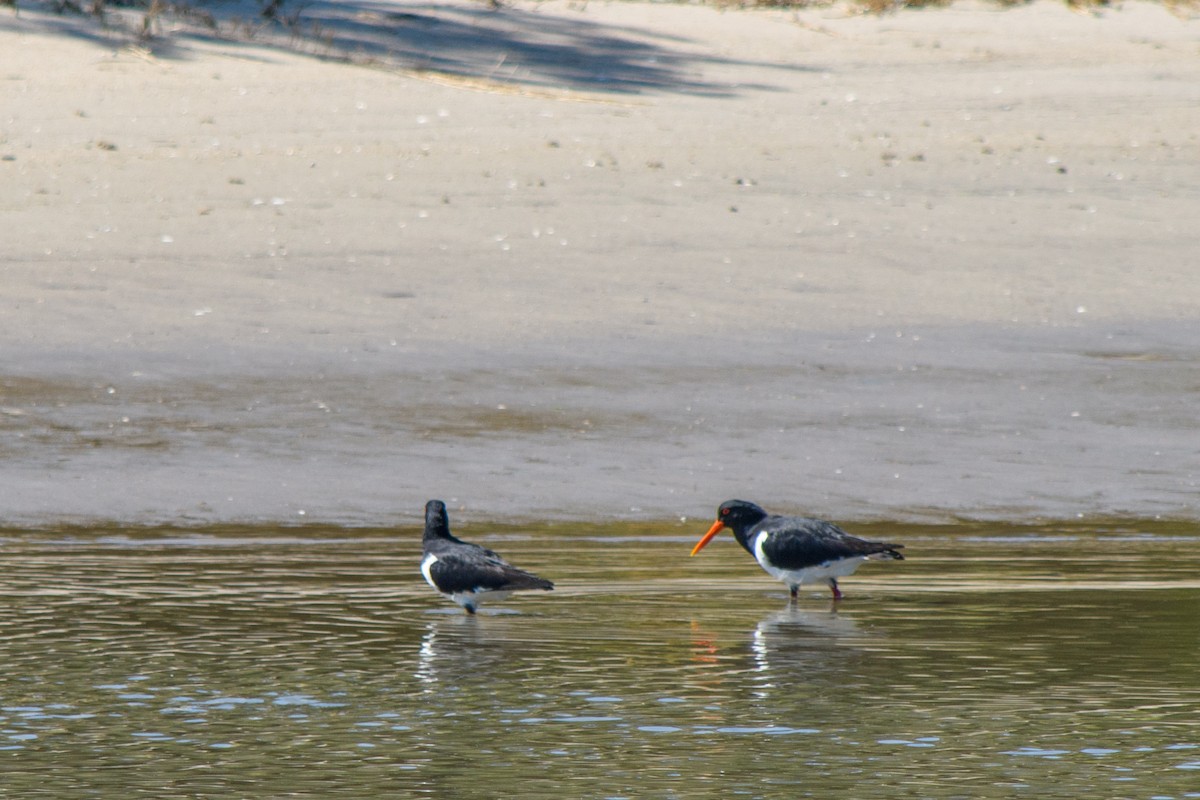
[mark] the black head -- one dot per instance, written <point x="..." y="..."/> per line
<point x="437" y="523"/>
<point x="739" y="515"/>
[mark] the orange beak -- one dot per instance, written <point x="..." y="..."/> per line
<point x="717" y="527"/>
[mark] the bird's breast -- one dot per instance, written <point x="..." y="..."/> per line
<point x="757" y="544"/>
<point x="426" y="565"/>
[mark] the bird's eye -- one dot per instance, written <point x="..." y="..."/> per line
<point x="724" y="512"/>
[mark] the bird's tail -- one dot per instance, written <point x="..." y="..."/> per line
<point x="527" y="581"/>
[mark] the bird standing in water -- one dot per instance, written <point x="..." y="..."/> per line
<point x="464" y="572"/>
<point x="796" y="550"/>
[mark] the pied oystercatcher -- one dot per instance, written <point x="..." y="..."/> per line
<point x="465" y="572"/>
<point x="796" y="550"/>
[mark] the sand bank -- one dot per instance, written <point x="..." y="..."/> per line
<point x="571" y="260"/>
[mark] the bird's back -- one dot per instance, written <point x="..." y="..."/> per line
<point x="462" y="566"/>
<point x="796" y="542"/>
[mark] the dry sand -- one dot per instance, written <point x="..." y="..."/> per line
<point x="592" y="260"/>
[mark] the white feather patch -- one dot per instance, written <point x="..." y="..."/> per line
<point x="426" y="565"/>
<point x="817" y="573"/>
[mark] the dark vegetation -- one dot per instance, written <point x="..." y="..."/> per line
<point x="478" y="42"/>
<point x="290" y="13"/>
<point x="486" y="41"/>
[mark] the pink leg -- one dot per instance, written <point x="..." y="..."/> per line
<point x="837" y="593"/>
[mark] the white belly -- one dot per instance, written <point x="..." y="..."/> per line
<point x="465" y="599"/>
<point x="818" y="573"/>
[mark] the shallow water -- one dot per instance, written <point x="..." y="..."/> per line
<point x="265" y="662"/>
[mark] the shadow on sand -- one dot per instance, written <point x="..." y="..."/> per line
<point x="528" y="46"/>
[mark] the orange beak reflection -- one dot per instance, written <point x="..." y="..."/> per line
<point x="717" y="527"/>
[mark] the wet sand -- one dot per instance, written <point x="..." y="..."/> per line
<point x="605" y="260"/>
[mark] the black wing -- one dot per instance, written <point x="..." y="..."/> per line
<point x="479" y="569"/>
<point x="798" y="542"/>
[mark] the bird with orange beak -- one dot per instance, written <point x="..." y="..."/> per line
<point x="796" y="550"/>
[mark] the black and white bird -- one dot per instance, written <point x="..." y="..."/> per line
<point x="796" y="550"/>
<point x="464" y="572"/>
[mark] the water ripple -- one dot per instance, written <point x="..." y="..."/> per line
<point x="983" y="666"/>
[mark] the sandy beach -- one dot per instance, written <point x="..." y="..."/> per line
<point x="601" y="260"/>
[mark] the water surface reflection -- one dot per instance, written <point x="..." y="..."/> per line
<point x="267" y="663"/>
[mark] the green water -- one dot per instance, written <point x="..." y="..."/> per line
<point x="272" y="663"/>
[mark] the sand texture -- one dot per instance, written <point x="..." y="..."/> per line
<point x="596" y="260"/>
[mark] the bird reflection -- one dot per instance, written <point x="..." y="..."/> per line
<point x="797" y="619"/>
<point x="795" y="645"/>
<point x="704" y="645"/>
<point x="462" y="652"/>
